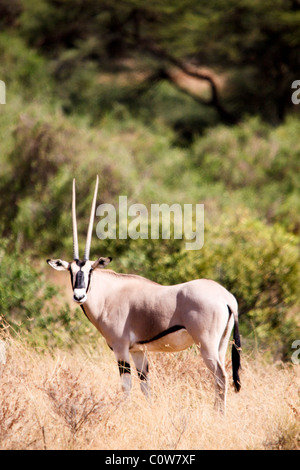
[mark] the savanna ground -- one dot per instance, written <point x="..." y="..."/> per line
<point x="72" y="400"/>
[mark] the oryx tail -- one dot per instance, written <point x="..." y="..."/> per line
<point x="235" y="353"/>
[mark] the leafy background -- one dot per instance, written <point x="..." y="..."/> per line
<point x="169" y="102"/>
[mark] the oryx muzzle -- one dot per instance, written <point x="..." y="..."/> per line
<point x="136" y="315"/>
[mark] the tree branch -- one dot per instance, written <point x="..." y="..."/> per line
<point x="214" y="101"/>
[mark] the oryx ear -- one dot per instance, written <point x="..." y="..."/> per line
<point x="58" y="264"/>
<point x="101" y="262"/>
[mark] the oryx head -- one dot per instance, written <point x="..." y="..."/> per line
<point x="80" y="270"/>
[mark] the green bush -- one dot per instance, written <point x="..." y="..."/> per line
<point x="255" y="164"/>
<point x="36" y="308"/>
<point x="47" y="150"/>
<point x="22" y="293"/>
<point x="24" y="71"/>
<point x="247" y="176"/>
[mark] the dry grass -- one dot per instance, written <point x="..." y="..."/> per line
<point x="72" y="400"/>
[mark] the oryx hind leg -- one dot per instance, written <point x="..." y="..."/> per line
<point x="141" y="363"/>
<point x="211" y="358"/>
<point x="223" y="346"/>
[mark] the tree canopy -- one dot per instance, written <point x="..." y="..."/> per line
<point x="252" y="45"/>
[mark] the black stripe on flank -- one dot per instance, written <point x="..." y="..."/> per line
<point x="162" y="334"/>
<point x="124" y="367"/>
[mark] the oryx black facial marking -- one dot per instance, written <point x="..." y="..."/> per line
<point x="80" y="272"/>
<point x="79" y="280"/>
<point x="79" y="276"/>
<point x="79" y="263"/>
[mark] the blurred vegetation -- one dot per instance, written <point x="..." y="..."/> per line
<point x="96" y="87"/>
<point x="36" y="309"/>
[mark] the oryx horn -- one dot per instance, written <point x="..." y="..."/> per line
<point x="90" y="229"/>
<point x="75" y="235"/>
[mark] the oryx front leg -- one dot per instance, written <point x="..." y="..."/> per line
<point x="141" y="363"/>
<point x="125" y="372"/>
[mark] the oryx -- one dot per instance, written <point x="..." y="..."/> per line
<point x="136" y="315"/>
